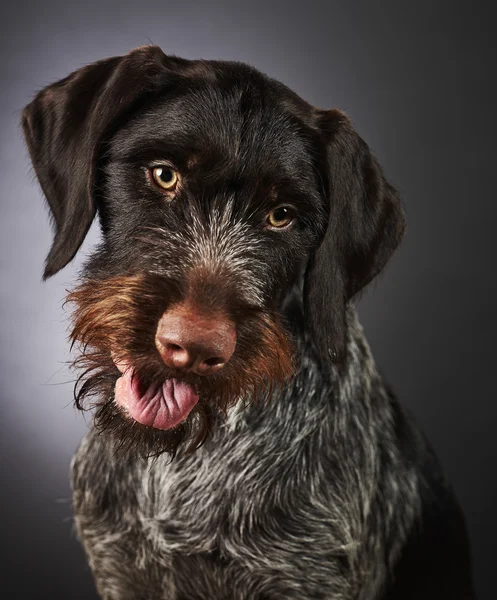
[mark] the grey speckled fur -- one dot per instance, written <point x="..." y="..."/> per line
<point x="284" y="502"/>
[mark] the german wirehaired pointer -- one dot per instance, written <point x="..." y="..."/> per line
<point x="245" y="446"/>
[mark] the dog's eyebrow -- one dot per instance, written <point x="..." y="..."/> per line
<point x="153" y="152"/>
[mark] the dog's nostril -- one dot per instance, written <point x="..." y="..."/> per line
<point x="175" y="355"/>
<point x="174" y="347"/>
<point x="214" y="361"/>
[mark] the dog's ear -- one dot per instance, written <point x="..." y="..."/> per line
<point x="64" y="127"/>
<point x="366" y="224"/>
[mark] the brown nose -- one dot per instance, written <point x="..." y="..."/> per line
<point x="187" y="340"/>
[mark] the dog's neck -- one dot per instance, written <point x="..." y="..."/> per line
<point x="324" y="390"/>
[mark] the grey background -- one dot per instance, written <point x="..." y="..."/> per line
<point x="418" y="79"/>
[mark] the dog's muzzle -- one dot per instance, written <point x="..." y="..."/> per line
<point x="188" y="341"/>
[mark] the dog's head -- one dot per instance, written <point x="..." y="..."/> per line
<point x="235" y="216"/>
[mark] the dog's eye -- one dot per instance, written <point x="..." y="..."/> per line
<point x="281" y="217"/>
<point x="165" y="177"/>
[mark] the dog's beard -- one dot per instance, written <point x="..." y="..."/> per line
<point x="115" y="320"/>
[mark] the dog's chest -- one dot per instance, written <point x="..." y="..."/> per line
<point x="263" y="506"/>
<point x="231" y="500"/>
<point x="250" y="513"/>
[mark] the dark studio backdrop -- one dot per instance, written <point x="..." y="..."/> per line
<point x="418" y="80"/>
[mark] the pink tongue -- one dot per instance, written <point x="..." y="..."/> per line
<point x="161" y="406"/>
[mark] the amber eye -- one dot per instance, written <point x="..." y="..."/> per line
<point x="281" y="217"/>
<point x="165" y="177"/>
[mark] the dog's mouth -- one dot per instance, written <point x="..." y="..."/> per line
<point x="161" y="405"/>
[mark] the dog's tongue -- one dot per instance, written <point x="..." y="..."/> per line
<point x="161" y="406"/>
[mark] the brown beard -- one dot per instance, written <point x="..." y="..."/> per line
<point x="116" y="318"/>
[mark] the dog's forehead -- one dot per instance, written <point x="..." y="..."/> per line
<point x="248" y="120"/>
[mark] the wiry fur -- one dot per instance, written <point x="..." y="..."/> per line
<point x="297" y="474"/>
<point x="307" y="497"/>
<point x="115" y="319"/>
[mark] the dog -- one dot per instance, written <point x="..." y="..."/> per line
<point x="244" y="445"/>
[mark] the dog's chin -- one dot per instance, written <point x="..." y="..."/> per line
<point x="137" y="440"/>
<point x="147" y="409"/>
<point x="147" y="415"/>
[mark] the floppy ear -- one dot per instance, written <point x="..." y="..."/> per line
<point x="64" y="127"/>
<point x="366" y="224"/>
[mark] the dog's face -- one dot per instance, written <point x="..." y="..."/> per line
<point x="236" y="220"/>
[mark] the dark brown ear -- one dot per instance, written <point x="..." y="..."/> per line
<point x="366" y="224"/>
<point x="64" y="127"/>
